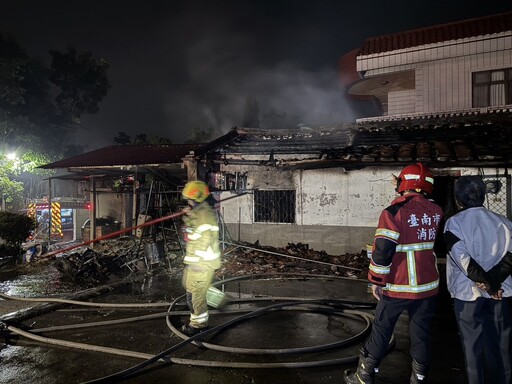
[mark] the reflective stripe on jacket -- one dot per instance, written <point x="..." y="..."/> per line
<point x="203" y="239"/>
<point x="403" y="261"/>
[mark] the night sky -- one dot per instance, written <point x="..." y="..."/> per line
<point x="179" y="65"/>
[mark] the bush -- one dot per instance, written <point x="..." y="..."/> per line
<point x="14" y="230"/>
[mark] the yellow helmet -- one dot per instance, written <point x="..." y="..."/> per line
<point x="196" y="190"/>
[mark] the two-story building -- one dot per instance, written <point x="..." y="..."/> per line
<point x="445" y="94"/>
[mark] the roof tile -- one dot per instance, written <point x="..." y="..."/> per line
<point x="435" y="34"/>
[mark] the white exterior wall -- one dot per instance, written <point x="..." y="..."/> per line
<point x="241" y="209"/>
<point x="336" y="211"/>
<point x="323" y="196"/>
<point x="401" y="102"/>
<point x="443" y="70"/>
<point x="334" y="197"/>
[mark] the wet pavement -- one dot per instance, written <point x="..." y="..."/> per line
<point x="303" y="327"/>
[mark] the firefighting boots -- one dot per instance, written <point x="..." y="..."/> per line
<point x="191" y="331"/>
<point x="419" y="373"/>
<point x="367" y="366"/>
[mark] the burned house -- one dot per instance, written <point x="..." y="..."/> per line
<point x="445" y="99"/>
<point x="125" y="184"/>
<point x="445" y="95"/>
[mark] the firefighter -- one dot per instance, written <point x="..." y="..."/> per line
<point x="202" y="256"/>
<point x="403" y="275"/>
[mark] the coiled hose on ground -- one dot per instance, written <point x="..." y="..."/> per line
<point x="330" y="306"/>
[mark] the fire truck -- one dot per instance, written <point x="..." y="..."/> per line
<point x="62" y="220"/>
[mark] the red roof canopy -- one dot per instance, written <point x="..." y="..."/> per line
<point x="126" y="155"/>
<point x="451" y="31"/>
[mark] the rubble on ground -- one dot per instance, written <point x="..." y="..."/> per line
<point x="295" y="258"/>
<point x="118" y="256"/>
<point x="127" y="254"/>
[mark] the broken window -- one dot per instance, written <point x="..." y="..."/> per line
<point x="225" y="181"/>
<point x="274" y="206"/>
<point x="492" y="88"/>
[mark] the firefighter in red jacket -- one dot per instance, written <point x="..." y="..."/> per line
<point x="404" y="276"/>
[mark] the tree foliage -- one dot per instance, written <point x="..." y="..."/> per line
<point x="200" y="135"/>
<point x="140" y="139"/>
<point x="40" y="105"/>
<point x="82" y="82"/>
<point x="14" y="229"/>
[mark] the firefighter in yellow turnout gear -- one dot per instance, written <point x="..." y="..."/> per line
<point x="202" y="256"/>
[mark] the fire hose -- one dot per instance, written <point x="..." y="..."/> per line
<point x="121" y="231"/>
<point x="330" y="306"/>
<point x="163" y="356"/>
<point x="113" y="234"/>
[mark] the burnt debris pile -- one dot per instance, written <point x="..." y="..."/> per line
<point x="124" y="255"/>
<point x="120" y="257"/>
<point x="244" y="259"/>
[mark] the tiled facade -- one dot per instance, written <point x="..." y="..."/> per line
<point x="443" y="58"/>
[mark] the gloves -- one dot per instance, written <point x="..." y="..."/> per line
<point x="185" y="232"/>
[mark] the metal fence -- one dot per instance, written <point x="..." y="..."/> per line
<point x="498" y="194"/>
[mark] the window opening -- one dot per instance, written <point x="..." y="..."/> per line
<point x="226" y="181"/>
<point x="492" y="88"/>
<point x="274" y="206"/>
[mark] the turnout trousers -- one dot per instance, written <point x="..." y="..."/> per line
<point x="485" y="331"/>
<point x="420" y="311"/>
<point x="196" y="280"/>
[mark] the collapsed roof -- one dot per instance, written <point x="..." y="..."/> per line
<point x="478" y="140"/>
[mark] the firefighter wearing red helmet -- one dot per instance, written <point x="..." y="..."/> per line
<point x="202" y="255"/>
<point x="403" y="275"/>
<point x="415" y="177"/>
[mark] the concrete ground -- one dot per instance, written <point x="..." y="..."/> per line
<point x="26" y="361"/>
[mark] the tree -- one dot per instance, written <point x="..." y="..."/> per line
<point x="141" y="139"/>
<point x="82" y="82"/>
<point x="200" y="135"/>
<point x="122" y="138"/>
<point x="159" y="140"/>
<point x="14" y="229"/>
<point x="23" y="90"/>
<point x="40" y="105"/>
<point x="19" y="178"/>
<point x="46" y="102"/>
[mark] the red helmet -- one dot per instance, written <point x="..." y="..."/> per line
<point x="416" y="177"/>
